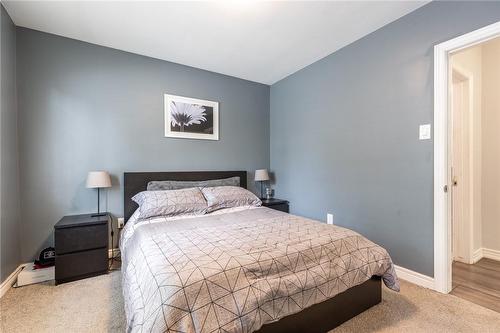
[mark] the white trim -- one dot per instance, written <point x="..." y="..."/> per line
<point x="468" y="178"/>
<point x="477" y="255"/>
<point x="414" y="277"/>
<point x="10" y="280"/>
<point x="442" y="229"/>
<point x="441" y="241"/>
<point x="486" y="253"/>
<point x="491" y="254"/>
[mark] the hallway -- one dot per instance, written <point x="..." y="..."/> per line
<point x="478" y="283"/>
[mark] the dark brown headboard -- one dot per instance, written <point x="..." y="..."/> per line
<point x="135" y="182"/>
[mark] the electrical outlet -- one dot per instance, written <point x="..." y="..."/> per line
<point x="329" y="218"/>
<point x="121" y="222"/>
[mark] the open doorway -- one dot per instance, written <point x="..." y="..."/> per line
<point x="474" y="162"/>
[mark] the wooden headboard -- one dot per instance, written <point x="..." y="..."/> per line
<point x="135" y="182"/>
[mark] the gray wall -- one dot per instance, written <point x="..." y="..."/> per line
<point x="84" y="107"/>
<point x="9" y="211"/>
<point x="344" y="131"/>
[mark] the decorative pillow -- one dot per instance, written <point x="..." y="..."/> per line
<point x="229" y="196"/>
<point x="170" y="203"/>
<point x="163" y="185"/>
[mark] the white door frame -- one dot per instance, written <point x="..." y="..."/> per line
<point x="466" y="230"/>
<point x="442" y="177"/>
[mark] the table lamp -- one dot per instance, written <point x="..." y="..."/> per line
<point x="98" y="179"/>
<point x="261" y="176"/>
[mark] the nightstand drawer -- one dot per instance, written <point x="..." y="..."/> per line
<point x="81" y="238"/>
<point x="281" y="207"/>
<point x="81" y="264"/>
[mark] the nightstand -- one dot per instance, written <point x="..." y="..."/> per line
<point x="81" y="243"/>
<point x="277" y="204"/>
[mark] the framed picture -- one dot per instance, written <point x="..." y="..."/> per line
<point x="191" y="118"/>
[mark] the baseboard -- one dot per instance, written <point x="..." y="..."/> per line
<point x="483" y="252"/>
<point x="491" y="254"/>
<point x="113" y="252"/>
<point x="477" y="255"/>
<point x="10" y="280"/>
<point x="403" y="273"/>
<point x="414" y="277"/>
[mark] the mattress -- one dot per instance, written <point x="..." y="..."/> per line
<point x="237" y="269"/>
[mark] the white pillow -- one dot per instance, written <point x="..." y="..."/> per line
<point x="170" y="203"/>
<point x="229" y="196"/>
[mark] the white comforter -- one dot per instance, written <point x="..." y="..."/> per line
<point x="238" y="269"/>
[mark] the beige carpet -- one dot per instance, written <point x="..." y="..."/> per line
<point x="96" y="305"/>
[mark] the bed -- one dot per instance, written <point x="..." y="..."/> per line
<point x="243" y="269"/>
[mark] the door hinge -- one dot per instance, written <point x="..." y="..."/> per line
<point x="445" y="188"/>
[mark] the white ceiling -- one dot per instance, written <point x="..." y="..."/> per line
<point x="257" y="41"/>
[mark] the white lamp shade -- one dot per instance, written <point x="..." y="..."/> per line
<point x="261" y="175"/>
<point x="98" y="179"/>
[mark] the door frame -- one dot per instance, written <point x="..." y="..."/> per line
<point x="467" y="178"/>
<point x="442" y="174"/>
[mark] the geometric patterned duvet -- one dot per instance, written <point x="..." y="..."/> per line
<point x="237" y="271"/>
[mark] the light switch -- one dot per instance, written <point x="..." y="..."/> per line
<point x="424" y="132"/>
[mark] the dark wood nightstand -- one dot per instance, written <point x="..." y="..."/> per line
<point x="277" y="204"/>
<point x="81" y="243"/>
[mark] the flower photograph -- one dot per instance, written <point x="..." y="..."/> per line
<point x="191" y="118"/>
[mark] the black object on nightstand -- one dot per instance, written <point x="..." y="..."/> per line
<point x="277" y="204"/>
<point x="81" y="243"/>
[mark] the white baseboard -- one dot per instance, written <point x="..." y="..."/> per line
<point x="477" y="255"/>
<point x="483" y="252"/>
<point x="403" y="273"/>
<point x="10" y="280"/>
<point x="491" y="254"/>
<point x="414" y="277"/>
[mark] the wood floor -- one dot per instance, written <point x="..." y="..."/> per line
<point x="478" y="283"/>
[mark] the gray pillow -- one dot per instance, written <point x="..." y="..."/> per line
<point x="189" y="201"/>
<point x="229" y="196"/>
<point x="164" y="185"/>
